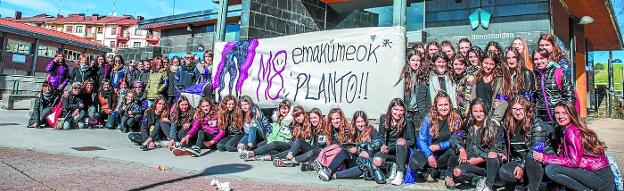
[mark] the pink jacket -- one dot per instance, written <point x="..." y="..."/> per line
<point x="572" y="154"/>
<point x="209" y="125"/>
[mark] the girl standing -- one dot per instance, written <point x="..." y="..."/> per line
<point x="523" y="48"/>
<point x="415" y="76"/>
<point x="522" y="79"/>
<point x="465" y="84"/>
<point x="442" y="78"/>
<point x="553" y="86"/>
<point x="556" y="54"/>
<point x="493" y="86"/>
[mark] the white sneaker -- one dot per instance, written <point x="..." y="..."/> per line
<point x="393" y="171"/>
<point x="481" y="186"/>
<point x="398" y="179"/>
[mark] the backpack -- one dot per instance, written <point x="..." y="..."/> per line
<point x="558" y="75"/>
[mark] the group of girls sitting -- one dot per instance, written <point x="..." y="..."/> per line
<point x="488" y="119"/>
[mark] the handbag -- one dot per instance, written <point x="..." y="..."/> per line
<point x="327" y="155"/>
<point x="53" y="117"/>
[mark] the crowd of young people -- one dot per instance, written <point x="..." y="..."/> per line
<point x="488" y="117"/>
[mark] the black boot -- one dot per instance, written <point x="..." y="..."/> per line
<point x="371" y="172"/>
<point x="379" y="177"/>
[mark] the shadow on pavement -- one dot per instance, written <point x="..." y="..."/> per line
<point x="214" y="170"/>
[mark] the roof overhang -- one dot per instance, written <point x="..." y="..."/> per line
<point x="47" y="37"/>
<point x="603" y="33"/>
<point x="192" y="18"/>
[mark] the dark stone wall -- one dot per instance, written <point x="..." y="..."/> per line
<point x="274" y="18"/>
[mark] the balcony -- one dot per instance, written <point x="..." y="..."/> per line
<point x="153" y="38"/>
<point x="125" y="36"/>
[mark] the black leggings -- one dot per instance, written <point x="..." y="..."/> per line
<point x="309" y="156"/>
<point x="579" y="179"/>
<point x="271" y="148"/>
<point x="353" y="172"/>
<point x="229" y="143"/>
<point x="300" y="146"/>
<point x="446" y="159"/>
<point x="399" y="156"/>
<point x="339" y="159"/>
<point x="488" y="170"/>
<point x="533" y="171"/>
<point x="203" y="137"/>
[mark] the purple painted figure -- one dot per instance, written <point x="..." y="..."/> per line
<point x="236" y="59"/>
<point x="58" y="75"/>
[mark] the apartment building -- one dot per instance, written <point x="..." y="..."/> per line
<point x="114" y="32"/>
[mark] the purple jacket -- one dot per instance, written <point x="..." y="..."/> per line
<point x="209" y="125"/>
<point x="58" y="75"/>
<point x="572" y="154"/>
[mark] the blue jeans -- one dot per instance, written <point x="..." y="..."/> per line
<point x="71" y="119"/>
<point x="579" y="179"/>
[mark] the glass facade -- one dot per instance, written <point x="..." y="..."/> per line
<point x="374" y="15"/>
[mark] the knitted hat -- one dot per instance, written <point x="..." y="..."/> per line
<point x="76" y="85"/>
<point x="138" y="83"/>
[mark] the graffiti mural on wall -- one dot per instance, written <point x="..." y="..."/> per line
<point x="238" y="58"/>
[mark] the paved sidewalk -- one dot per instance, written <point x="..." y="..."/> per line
<point x="31" y="170"/>
<point x="217" y="164"/>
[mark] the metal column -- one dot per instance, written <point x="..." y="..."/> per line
<point x="35" y="56"/>
<point x="610" y="85"/>
<point x="5" y="40"/>
<point x="399" y="10"/>
<point x="221" y="20"/>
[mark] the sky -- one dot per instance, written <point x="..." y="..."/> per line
<point x="146" y="8"/>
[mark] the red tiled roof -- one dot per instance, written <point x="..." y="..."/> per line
<point x="49" y="32"/>
<point x="120" y="20"/>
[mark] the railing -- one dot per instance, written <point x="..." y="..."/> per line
<point x="123" y="36"/>
<point x="153" y="37"/>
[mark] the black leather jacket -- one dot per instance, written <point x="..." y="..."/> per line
<point x="529" y="80"/>
<point x="390" y="136"/>
<point x="538" y="134"/>
<point x="469" y="138"/>
<point x="548" y="92"/>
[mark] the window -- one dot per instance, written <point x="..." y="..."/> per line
<point x="136" y="44"/>
<point x="100" y="30"/>
<point x="47" y="51"/>
<point x="69" y="29"/>
<point x="114" y="31"/>
<point x="18" y="47"/>
<point x="71" y="54"/>
<point x="112" y="44"/>
<point x="79" y="29"/>
<point x="137" y="32"/>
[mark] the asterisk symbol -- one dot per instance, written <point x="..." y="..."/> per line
<point x="387" y="43"/>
